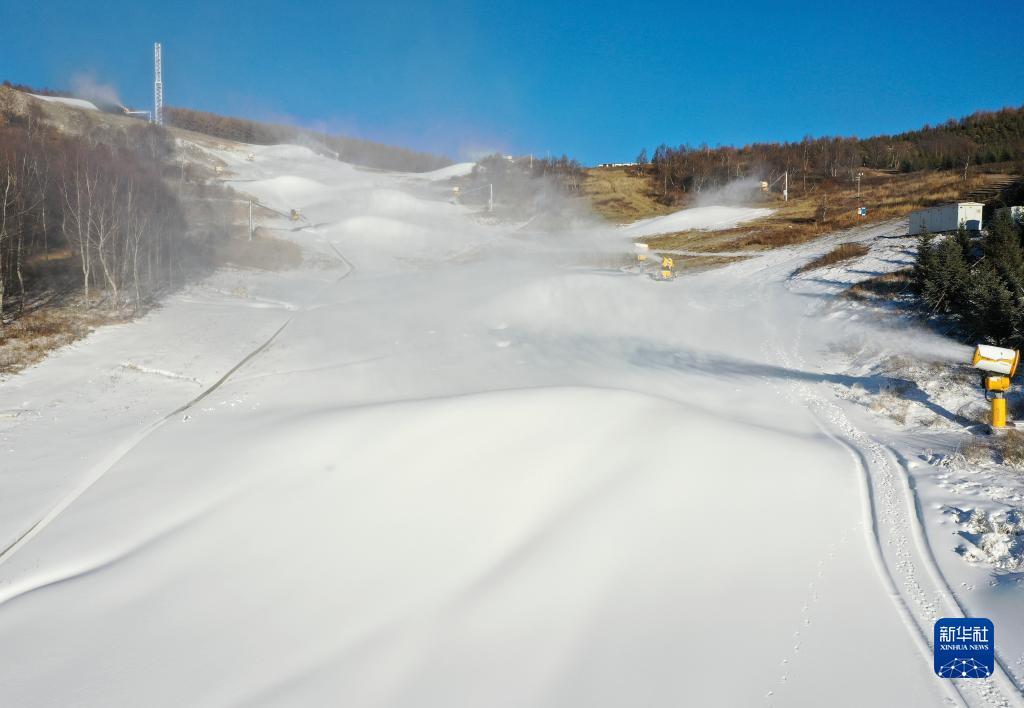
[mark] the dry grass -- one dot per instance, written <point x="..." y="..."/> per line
<point x="842" y="252"/>
<point x="264" y="252"/>
<point x="976" y="451"/>
<point x="696" y="263"/>
<point x="831" y="207"/>
<point x="28" y="339"/>
<point x="55" y="319"/>
<point x="620" y="195"/>
<point x="893" y="405"/>
<point x="1010" y="446"/>
<point x="889" y="286"/>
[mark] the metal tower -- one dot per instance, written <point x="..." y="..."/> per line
<point x="158" y="86"/>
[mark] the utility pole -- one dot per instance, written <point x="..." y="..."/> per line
<point x="785" y="187"/>
<point x="158" y="85"/>
<point x="859" y="175"/>
<point x="490" y="199"/>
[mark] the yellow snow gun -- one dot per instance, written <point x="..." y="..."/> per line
<point x="998" y="365"/>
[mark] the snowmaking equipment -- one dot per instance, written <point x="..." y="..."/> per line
<point x="998" y="365"/>
<point x="667" y="264"/>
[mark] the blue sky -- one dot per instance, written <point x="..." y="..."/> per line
<point x="596" y="80"/>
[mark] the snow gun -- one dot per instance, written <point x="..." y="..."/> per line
<point x="667" y="264"/>
<point x="998" y="366"/>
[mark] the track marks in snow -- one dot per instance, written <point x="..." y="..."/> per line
<point x="790" y="662"/>
<point x="900" y="549"/>
<point x="98" y="471"/>
<point x="159" y="372"/>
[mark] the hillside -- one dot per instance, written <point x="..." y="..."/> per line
<point x="354" y="151"/>
<point x="352" y="479"/>
<point x="102" y="216"/>
<point x="979" y="157"/>
<point x="622" y="194"/>
<point x="367" y="153"/>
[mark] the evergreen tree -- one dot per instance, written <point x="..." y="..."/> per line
<point x="980" y="286"/>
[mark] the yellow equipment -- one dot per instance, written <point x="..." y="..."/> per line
<point x="666" y="275"/>
<point x="295" y="215"/>
<point x="667" y="263"/>
<point x="997" y="383"/>
<point x="995" y="359"/>
<point x="998" y="413"/>
<point x="1000" y="364"/>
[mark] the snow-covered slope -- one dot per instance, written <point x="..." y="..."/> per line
<point x="459" y="169"/>
<point x="707" y="217"/>
<point x="436" y="467"/>
<point x="73" y="102"/>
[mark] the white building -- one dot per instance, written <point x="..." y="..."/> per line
<point x="1016" y="213"/>
<point x="948" y="217"/>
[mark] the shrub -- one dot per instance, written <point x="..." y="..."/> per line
<point x="842" y="252"/>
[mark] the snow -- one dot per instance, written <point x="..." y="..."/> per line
<point x="456" y="468"/>
<point x="459" y="169"/>
<point x="72" y="102"/>
<point x="710" y="218"/>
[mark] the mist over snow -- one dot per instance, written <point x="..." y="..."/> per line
<point x="88" y="86"/>
<point x="739" y="192"/>
<point x="452" y="461"/>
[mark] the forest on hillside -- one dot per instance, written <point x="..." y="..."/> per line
<point x="93" y="213"/>
<point x="522" y="186"/>
<point x="352" y="150"/>
<point x="983" y="138"/>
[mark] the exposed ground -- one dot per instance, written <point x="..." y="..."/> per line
<point x="55" y="313"/>
<point x="34" y="334"/>
<point x="617" y="194"/>
<point x="620" y="194"/>
<point x="842" y="252"/>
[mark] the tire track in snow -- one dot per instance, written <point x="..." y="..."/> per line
<point x="875" y="543"/>
<point x="120" y="451"/>
<point x="899" y="547"/>
<point x="99" y="470"/>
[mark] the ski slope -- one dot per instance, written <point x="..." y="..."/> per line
<point x="459" y="169"/>
<point x="444" y="465"/>
<point x="709" y="218"/>
<point x="72" y="102"/>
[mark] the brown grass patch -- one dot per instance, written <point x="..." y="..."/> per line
<point x="28" y="339"/>
<point x="698" y="263"/>
<point x="842" y="252"/>
<point x="830" y="207"/>
<point x="976" y="451"/>
<point x="1010" y="446"/>
<point x="621" y="195"/>
<point x="888" y="286"/>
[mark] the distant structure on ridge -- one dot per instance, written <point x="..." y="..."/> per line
<point x="158" y="86"/>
